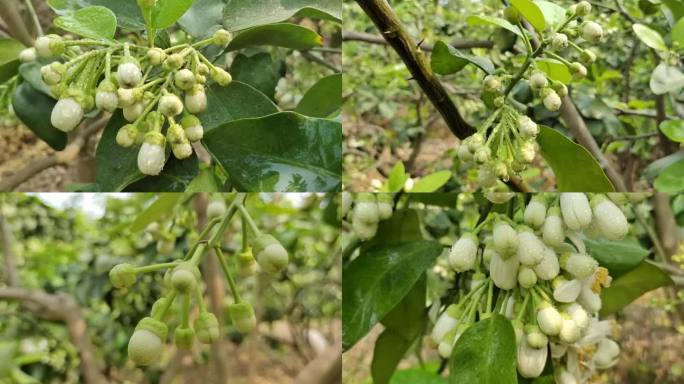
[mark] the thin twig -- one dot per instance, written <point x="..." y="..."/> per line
<point x="34" y="17"/>
<point x="316" y="59"/>
<point x="375" y="39"/>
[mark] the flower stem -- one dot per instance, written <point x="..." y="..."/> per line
<point x="229" y="276"/>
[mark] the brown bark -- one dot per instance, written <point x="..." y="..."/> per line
<point x="324" y="369"/>
<point x="9" y="12"/>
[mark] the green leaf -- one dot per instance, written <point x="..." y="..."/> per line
<point x="531" y="11"/>
<point x="95" y="22"/>
<point x="128" y="15"/>
<point x="205" y="181"/>
<point x="656" y="168"/>
<point x="673" y="129"/>
<point x="573" y="165"/>
<point x="618" y="257"/>
<point x="431" y="183"/>
<point x="666" y="79"/>
<point x="677" y="8"/>
<point x="9" y="58"/>
<point x="162" y="207"/>
<point x="416" y="375"/>
<point x="650" y="37"/>
<point x="671" y="179"/>
<point x="491" y="20"/>
<point x="236" y="101"/>
<point x="377" y="280"/>
<point x="553" y="14"/>
<point x="259" y="70"/>
<point x="242" y="14"/>
<point x="34" y="110"/>
<point x="631" y="285"/>
<point x="167" y="12"/>
<point x="397" y="178"/>
<point x="554" y="69"/>
<point x="402" y="227"/>
<point x="175" y="177"/>
<point x="323" y="99"/>
<point x="281" y="152"/>
<point x="678" y="33"/>
<point x="116" y="166"/>
<point x="280" y="35"/>
<point x="446" y="60"/>
<point x="203" y="18"/>
<point x="485" y="353"/>
<point x="403" y="325"/>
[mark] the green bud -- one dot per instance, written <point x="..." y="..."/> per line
<point x="184" y="277"/>
<point x="512" y="15"/>
<point x="207" y="328"/>
<point x="173" y="62"/>
<point x="184" y="338"/>
<point x="270" y="254"/>
<point x="122" y="275"/>
<point x="242" y="316"/>
<point x="146" y="343"/>
<point x="222" y="37"/>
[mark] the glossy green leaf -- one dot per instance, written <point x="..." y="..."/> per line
<point x="9" y="58"/>
<point x="258" y="70"/>
<point x="203" y="18"/>
<point x="242" y="14"/>
<point x="671" y="179"/>
<point x="162" y="207"/>
<point x="377" y="280"/>
<point x="127" y="13"/>
<point x="281" y="152"/>
<point x="631" y="285"/>
<point x="323" y="99"/>
<point x="446" y="60"/>
<point x="531" y="11"/>
<point x="397" y="178"/>
<point x="650" y="37"/>
<point x="673" y="129"/>
<point x="618" y="257"/>
<point x="432" y="182"/>
<point x="553" y="14"/>
<point x="280" y="35"/>
<point x="678" y="33"/>
<point x="495" y="21"/>
<point x="404" y="324"/>
<point x="403" y="226"/>
<point x="116" y="166"/>
<point x="236" y="101"/>
<point x="677" y="8"/>
<point x="554" y="69"/>
<point x="34" y="109"/>
<point x="167" y="12"/>
<point x="656" y="168"/>
<point x="666" y="79"/>
<point x="95" y="22"/>
<point x="573" y="165"/>
<point x="416" y="375"/>
<point x="485" y="353"/>
<point x="175" y="177"/>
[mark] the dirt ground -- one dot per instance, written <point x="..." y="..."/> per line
<point x="652" y="349"/>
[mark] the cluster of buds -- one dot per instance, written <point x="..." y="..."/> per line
<point x="368" y="210"/>
<point x="182" y="286"/>
<point x="7" y="116"/>
<point x="159" y="90"/>
<point x="506" y="147"/>
<point x="538" y="274"/>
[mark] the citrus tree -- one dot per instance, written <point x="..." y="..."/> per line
<point x="503" y="288"/>
<point x="170" y="82"/>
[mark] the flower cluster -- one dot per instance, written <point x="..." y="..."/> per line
<point x="535" y="270"/>
<point x="505" y="143"/>
<point x="159" y="90"/>
<point x="182" y="285"/>
<point x="369" y="209"/>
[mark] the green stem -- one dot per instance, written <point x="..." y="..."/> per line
<point x="524" y="306"/>
<point x="229" y="276"/>
<point x="490" y="296"/>
<point x="559" y="58"/>
<point x="185" y="310"/>
<point x="250" y="221"/>
<point x="155" y="267"/>
<point x="217" y="236"/>
<point x="528" y="61"/>
<point x="162" y="312"/>
<point x="200" y="300"/>
<point x="245" y="243"/>
<point x="34" y="17"/>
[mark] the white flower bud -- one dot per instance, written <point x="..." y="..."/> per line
<point x="445" y="349"/>
<point x="132" y="112"/>
<point x="492" y="83"/>
<point x="559" y="41"/>
<point x="49" y="46"/>
<point x="106" y="101"/>
<point x="504" y="272"/>
<point x="526" y="277"/>
<point x="552" y="230"/>
<point x="152" y="155"/>
<point x="464" y="153"/>
<point x="578" y="71"/>
<point x="49" y="75"/>
<point x="144" y="347"/>
<point x="445" y="323"/>
<point x="483" y="154"/>
<point x="549" y="267"/>
<point x="576" y="210"/>
<point x="170" y="105"/>
<point x="588" y="57"/>
<point x="127" y="135"/>
<point x="475" y="141"/>
<point x="364" y="230"/>
<point x="463" y="253"/>
<point x="565" y="377"/>
<point x="538" y="80"/>
<point x="385" y="205"/>
<point x="196" y="101"/>
<point x="366" y="208"/>
<point x="129" y="74"/>
<point x="583" y="8"/>
<point x="578" y="315"/>
<point x="530" y="248"/>
<point x="528" y="151"/>
<point x="181" y="150"/>
<point x="566" y="291"/>
<point x="185" y="79"/>
<point x="531" y="361"/>
<point x="590" y="300"/>
<point x="579" y="265"/>
<point x="552" y="101"/>
<point x="528" y="129"/>
<point x="608" y="218"/>
<point x="486" y="177"/>
<point x="28" y="55"/>
<point x="505" y="239"/>
<point x="222" y="37"/>
<point x="156" y="55"/>
<point x="220" y="76"/>
<point x="549" y="319"/>
<point x="535" y="337"/>
<point x="569" y="332"/>
<point x="535" y="212"/>
<point x="592" y="32"/>
<point x="66" y="114"/>
<point x="606" y="353"/>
